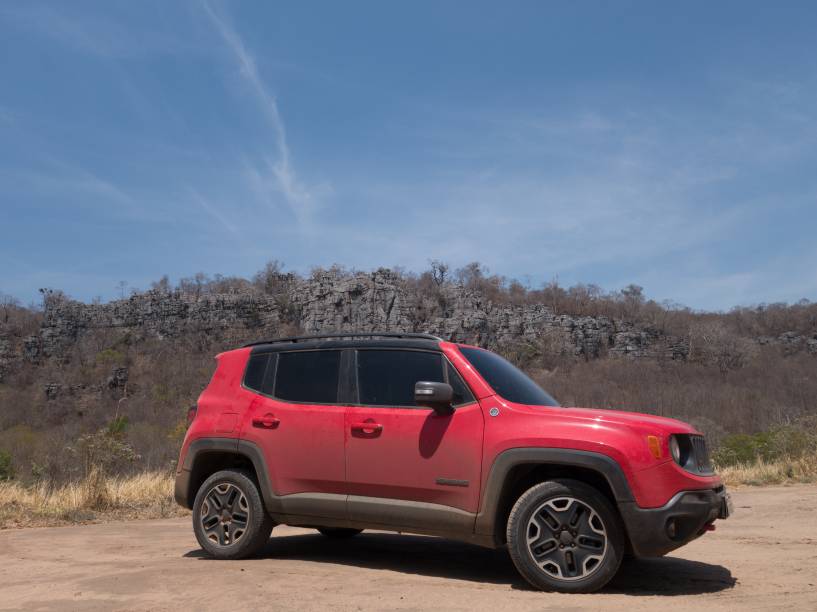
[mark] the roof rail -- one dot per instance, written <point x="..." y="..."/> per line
<point x="347" y="335"/>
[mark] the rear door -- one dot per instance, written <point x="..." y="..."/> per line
<point x="296" y="421"/>
<point x="397" y="450"/>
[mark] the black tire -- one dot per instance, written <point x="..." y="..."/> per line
<point x="338" y="533"/>
<point x="229" y="518"/>
<point x="574" y="533"/>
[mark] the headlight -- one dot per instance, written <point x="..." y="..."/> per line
<point x="675" y="449"/>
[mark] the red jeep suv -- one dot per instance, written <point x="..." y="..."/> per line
<point x="407" y="432"/>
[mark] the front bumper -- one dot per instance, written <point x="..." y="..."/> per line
<point x="656" y="531"/>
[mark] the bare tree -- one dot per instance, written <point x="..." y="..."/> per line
<point x="8" y="304"/>
<point x="712" y="343"/>
<point x="52" y="297"/>
<point x="632" y="299"/>
<point x="439" y="272"/>
<point x="162" y="285"/>
<point x="270" y="278"/>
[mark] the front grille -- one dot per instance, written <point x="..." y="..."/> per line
<point x="700" y="455"/>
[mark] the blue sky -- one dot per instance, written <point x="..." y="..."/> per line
<point x="672" y="145"/>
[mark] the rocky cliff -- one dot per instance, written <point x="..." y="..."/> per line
<point x="377" y="301"/>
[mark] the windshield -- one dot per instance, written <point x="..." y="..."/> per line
<point x="506" y="379"/>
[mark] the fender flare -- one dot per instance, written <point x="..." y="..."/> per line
<point x="507" y="460"/>
<point x="228" y="446"/>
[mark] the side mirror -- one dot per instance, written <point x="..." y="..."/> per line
<point x="435" y="395"/>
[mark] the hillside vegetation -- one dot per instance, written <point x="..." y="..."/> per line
<point x="99" y="390"/>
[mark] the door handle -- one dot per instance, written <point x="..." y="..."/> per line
<point x="267" y="421"/>
<point x="367" y="427"/>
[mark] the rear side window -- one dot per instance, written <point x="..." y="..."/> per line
<point x="386" y="378"/>
<point x="308" y="376"/>
<point x="256" y="371"/>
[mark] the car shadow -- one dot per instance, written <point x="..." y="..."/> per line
<point x="669" y="576"/>
<point x="441" y="558"/>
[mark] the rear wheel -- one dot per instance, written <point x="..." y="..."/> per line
<point x="564" y="535"/>
<point x="229" y="518"/>
<point x="338" y="533"/>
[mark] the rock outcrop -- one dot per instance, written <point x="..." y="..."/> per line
<point x="152" y="314"/>
<point x="377" y="301"/>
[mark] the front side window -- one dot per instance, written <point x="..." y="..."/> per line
<point x="462" y="394"/>
<point x="386" y="378"/>
<point x="506" y="379"/>
<point x="308" y="376"/>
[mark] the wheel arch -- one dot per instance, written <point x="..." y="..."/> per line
<point x="206" y="456"/>
<point x="516" y="470"/>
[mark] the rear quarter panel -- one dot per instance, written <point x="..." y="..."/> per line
<point x="221" y="403"/>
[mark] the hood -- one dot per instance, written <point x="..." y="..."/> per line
<point x="628" y="419"/>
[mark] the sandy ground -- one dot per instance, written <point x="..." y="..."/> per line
<point x="764" y="557"/>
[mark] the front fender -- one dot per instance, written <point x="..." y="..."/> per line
<point x="507" y="460"/>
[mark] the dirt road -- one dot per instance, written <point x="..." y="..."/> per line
<point x="762" y="558"/>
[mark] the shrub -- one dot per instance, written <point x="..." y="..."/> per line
<point x="102" y="451"/>
<point x="110" y="356"/>
<point x="6" y="467"/>
<point x="742" y="448"/>
<point x="118" y="425"/>
<point x="780" y="442"/>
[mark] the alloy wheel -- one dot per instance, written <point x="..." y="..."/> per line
<point x="224" y="514"/>
<point x="566" y="538"/>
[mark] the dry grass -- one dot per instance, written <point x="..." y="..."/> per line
<point x="146" y="495"/>
<point x="150" y="494"/>
<point x="760" y="472"/>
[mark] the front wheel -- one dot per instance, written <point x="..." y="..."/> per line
<point x="229" y="518"/>
<point x="564" y="535"/>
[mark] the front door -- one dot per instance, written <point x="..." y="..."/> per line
<point x="399" y="451"/>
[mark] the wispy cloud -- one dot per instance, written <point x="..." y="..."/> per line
<point x="59" y="178"/>
<point x="214" y="212"/>
<point x="94" y="33"/>
<point x="298" y="197"/>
